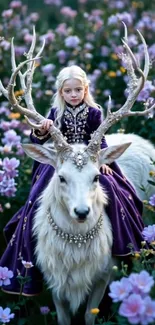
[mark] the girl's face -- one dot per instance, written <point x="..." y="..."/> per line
<point x="73" y="91"/>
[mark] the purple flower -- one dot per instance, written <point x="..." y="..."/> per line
<point x="105" y="50"/>
<point x="152" y="200"/>
<point x="5" y="276"/>
<point x="112" y="20"/>
<point x="4" y="110"/>
<point x="149" y="233"/>
<point x="146" y="91"/>
<point x="107" y="92"/>
<point x="97" y="72"/>
<point x="9" y="166"/>
<point x="7" y="187"/>
<point x="116" y="4"/>
<point x="151" y="51"/>
<point x="5" y="315"/>
<point x="62" y="55"/>
<point x="88" y="46"/>
<point x="132" y="308"/>
<point x="53" y="2"/>
<point x="5" y="125"/>
<point x="143" y="95"/>
<point x="11" y="138"/>
<point x="1" y="175"/>
<point x="146" y="22"/>
<point x="5" y="45"/>
<point x="72" y="41"/>
<point x="48" y="68"/>
<point x="124" y="16"/>
<point x="149" y="315"/>
<point x="44" y="310"/>
<point x="120" y="289"/>
<point x="88" y="55"/>
<point x="20" y="50"/>
<point x="14" y="124"/>
<point x="141" y="282"/>
<point x="132" y="40"/>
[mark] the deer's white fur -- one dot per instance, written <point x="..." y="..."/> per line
<point x="135" y="162"/>
<point x="72" y="272"/>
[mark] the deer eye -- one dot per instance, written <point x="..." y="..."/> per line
<point x="62" y="179"/>
<point x="96" y="178"/>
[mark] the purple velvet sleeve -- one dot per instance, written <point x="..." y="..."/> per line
<point x="34" y="139"/>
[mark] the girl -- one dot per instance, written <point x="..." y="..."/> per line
<point x="78" y="116"/>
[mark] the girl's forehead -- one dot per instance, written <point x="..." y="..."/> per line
<point x="72" y="82"/>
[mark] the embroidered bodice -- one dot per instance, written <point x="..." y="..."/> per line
<point x="74" y="123"/>
<point x="78" y="124"/>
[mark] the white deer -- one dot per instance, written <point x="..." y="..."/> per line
<point x="72" y="230"/>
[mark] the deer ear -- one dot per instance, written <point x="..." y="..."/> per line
<point x="40" y="153"/>
<point x="109" y="154"/>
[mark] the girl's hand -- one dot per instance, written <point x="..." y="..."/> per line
<point x="45" y="126"/>
<point x="46" y="123"/>
<point x="106" y="169"/>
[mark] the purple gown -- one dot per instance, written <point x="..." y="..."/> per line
<point x="124" y="209"/>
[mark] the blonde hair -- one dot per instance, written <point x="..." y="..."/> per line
<point x="71" y="72"/>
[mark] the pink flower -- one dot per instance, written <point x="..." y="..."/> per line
<point x="132" y="308"/>
<point x="27" y="265"/>
<point x="34" y="16"/>
<point x="15" y="4"/>
<point x="5" y="276"/>
<point x="61" y="29"/>
<point x="68" y="12"/>
<point x="7" y="13"/>
<point x="5" y="315"/>
<point x="120" y="289"/>
<point x="28" y="38"/>
<point x="49" y="37"/>
<point x="141" y="282"/>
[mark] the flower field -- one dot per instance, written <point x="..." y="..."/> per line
<point x="86" y="33"/>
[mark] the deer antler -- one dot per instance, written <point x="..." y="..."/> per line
<point x="30" y="112"/>
<point x="135" y="85"/>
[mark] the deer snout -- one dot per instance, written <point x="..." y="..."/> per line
<point x="82" y="213"/>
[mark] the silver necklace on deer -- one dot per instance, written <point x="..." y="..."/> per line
<point x="78" y="239"/>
